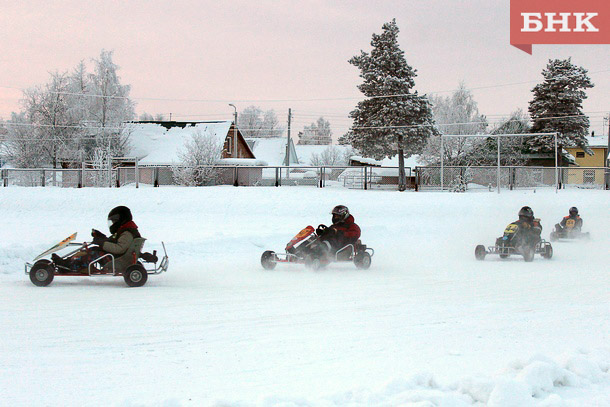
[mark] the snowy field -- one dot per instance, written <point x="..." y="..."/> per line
<point x="427" y="325"/>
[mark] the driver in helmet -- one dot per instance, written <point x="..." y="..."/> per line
<point x="123" y="231"/>
<point x="343" y="230"/>
<point x="528" y="226"/>
<point x="570" y="223"/>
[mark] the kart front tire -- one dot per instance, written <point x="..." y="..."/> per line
<point x="313" y="262"/>
<point x="42" y="273"/>
<point x="363" y="260"/>
<point x="268" y="260"/>
<point x="135" y="275"/>
<point x="480" y="252"/>
<point x="548" y="252"/>
<point x="553" y="236"/>
<point x="528" y="254"/>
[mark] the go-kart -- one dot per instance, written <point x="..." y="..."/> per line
<point x="569" y="234"/>
<point x="307" y="248"/>
<point x="93" y="263"/>
<point x="514" y="243"/>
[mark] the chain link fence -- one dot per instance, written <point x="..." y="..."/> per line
<point x="457" y="179"/>
<point x="461" y="179"/>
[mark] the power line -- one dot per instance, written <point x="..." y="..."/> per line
<point x="267" y="129"/>
<point x="308" y="99"/>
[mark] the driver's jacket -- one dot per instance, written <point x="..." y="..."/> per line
<point x="342" y="233"/>
<point x="529" y="231"/>
<point x="572" y="223"/>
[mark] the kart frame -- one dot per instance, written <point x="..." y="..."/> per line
<point x="159" y="268"/>
<point x="287" y="257"/>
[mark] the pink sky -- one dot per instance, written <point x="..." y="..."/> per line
<point x="277" y="50"/>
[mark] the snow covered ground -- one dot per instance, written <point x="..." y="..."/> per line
<point x="427" y="325"/>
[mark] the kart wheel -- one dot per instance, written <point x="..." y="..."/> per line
<point x="553" y="236"/>
<point x="363" y="260"/>
<point x="504" y="256"/>
<point x="135" y="275"/>
<point x="480" y="252"/>
<point x="42" y="273"/>
<point x="548" y="252"/>
<point x="268" y="260"/>
<point x="313" y="262"/>
<point x="528" y="254"/>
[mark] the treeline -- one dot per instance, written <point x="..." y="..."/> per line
<point x="77" y="116"/>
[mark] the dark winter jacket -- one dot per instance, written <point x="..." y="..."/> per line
<point x="343" y="233"/>
<point x="119" y="243"/>
<point x="529" y="231"/>
<point x="571" y="222"/>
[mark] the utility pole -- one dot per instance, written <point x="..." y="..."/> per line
<point x="608" y="151"/>
<point x="288" y="139"/>
<point x="234" y="132"/>
<point x="606" y="159"/>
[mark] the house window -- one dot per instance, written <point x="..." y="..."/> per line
<point x="580" y="154"/>
<point x="588" y="176"/>
<point x="229" y="144"/>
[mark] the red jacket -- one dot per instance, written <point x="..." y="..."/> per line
<point x="347" y="231"/>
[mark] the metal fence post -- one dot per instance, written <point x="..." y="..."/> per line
<point x="321" y="177"/>
<point x="43" y="177"/>
<point x="365" y="174"/>
<point x="235" y="177"/>
<point x="137" y="173"/>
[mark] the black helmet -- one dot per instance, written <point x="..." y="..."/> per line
<point x="573" y="211"/>
<point x="526" y="213"/>
<point x="117" y="217"/>
<point x="340" y="213"/>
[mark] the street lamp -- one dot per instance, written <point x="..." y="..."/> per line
<point x="234" y="132"/>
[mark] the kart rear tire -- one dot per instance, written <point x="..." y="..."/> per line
<point x="480" y="252"/>
<point x="268" y="260"/>
<point x="548" y="252"/>
<point x="528" y="254"/>
<point x="363" y="261"/>
<point x="135" y="275"/>
<point x="42" y="273"/>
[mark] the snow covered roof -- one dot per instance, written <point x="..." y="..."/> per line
<point x="597" y="141"/>
<point x="413" y="161"/>
<point x="155" y="144"/>
<point x="365" y="160"/>
<point x="244" y="162"/>
<point x="272" y="150"/>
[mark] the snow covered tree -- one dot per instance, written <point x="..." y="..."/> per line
<point x="318" y="133"/>
<point x="21" y="147"/>
<point x="110" y="105"/>
<point x="331" y="155"/>
<point x="75" y="114"/>
<point x="393" y="119"/>
<point x="197" y="159"/>
<point x="455" y="114"/>
<point x="557" y="106"/>
<point x="254" y="122"/>
<point x="53" y="123"/>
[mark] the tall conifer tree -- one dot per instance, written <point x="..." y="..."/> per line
<point x="393" y="119"/>
<point x="557" y="106"/>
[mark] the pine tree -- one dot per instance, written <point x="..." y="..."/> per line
<point x="557" y="106"/>
<point x="385" y="124"/>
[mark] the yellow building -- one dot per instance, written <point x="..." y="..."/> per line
<point x="591" y="169"/>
